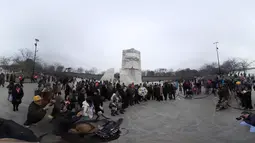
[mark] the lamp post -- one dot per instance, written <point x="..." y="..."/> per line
<point x="36" y="41"/>
<point x="217" y="51"/>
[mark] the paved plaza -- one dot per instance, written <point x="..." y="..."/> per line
<point x="180" y="121"/>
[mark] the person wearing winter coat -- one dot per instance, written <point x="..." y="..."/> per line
<point x="247" y="117"/>
<point x="166" y="90"/>
<point x="88" y="109"/>
<point x="98" y="103"/>
<point x="81" y="96"/>
<point x="2" y="79"/>
<point x="114" y="104"/>
<point x="10" y="88"/>
<point x="17" y="95"/>
<point x="172" y="91"/>
<point x="11" y="132"/>
<point x="36" y="111"/>
<point x="58" y="100"/>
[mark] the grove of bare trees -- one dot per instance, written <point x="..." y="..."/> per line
<point x="230" y="66"/>
<point x="23" y="61"/>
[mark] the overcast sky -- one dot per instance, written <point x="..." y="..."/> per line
<point x="92" y="33"/>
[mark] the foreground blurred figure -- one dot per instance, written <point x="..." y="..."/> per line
<point x="11" y="131"/>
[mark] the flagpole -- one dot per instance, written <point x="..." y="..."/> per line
<point x="33" y="73"/>
<point x="217" y="51"/>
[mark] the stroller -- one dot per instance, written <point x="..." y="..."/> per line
<point x="189" y="94"/>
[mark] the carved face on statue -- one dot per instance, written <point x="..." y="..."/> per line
<point x="131" y="60"/>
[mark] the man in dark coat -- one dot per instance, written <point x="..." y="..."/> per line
<point x="2" y="79"/>
<point x="166" y="90"/>
<point x="11" y="131"/>
<point x="98" y="103"/>
<point x="35" y="111"/>
<point x="157" y="92"/>
<point x="12" y="78"/>
<point x="247" y="96"/>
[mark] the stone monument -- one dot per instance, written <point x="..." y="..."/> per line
<point x="130" y="71"/>
<point x="108" y="75"/>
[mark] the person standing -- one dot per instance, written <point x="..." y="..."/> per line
<point x="2" y="79"/>
<point x="17" y="95"/>
<point x="247" y="96"/>
<point x="21" y="80"/>
<point x="172" y="92"/>
<point x="10" y="89"/>
<point x="165" y="90"/>
<point x="12" y="77"/>
<point x="7" y="77"/>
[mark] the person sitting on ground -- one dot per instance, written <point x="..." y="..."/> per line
<point x="247" y="117"/>
<point x="11" y="131"/>
<point x="189" y="93"/>
<point x="114" y="104"/>
<point x="114" y="108"/>
<point x="35" y="111"/>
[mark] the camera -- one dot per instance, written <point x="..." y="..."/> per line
<point x="239" y="118"/>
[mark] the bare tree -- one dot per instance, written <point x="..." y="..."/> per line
<point x="5" y="62"/>
<point x="22" y="56"/>
<point x="25" y="54"/>
<point x="93" y="70"/>
<point x="186" y="73"/>
<point x="209" y="69"/>
<point x="230" y="66"/>
<point x="245" y="64"/>
<point x="59" y="67"/>
<point x="170" y="72"/>
<point x="51" y="68"/>
<point x="160" y="72"/>
<point x="80" y="70"/>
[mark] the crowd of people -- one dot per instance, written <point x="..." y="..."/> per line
<point x="86" y="97"/>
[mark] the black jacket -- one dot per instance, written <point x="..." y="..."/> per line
<point x="11" y="129"/>
<point x="17" y="96"/>
<point x="35" y="113"/>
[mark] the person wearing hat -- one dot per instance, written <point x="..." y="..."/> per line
<point x="35" y="111"/>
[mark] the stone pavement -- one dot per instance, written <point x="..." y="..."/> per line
<point x="180" y="121"/>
